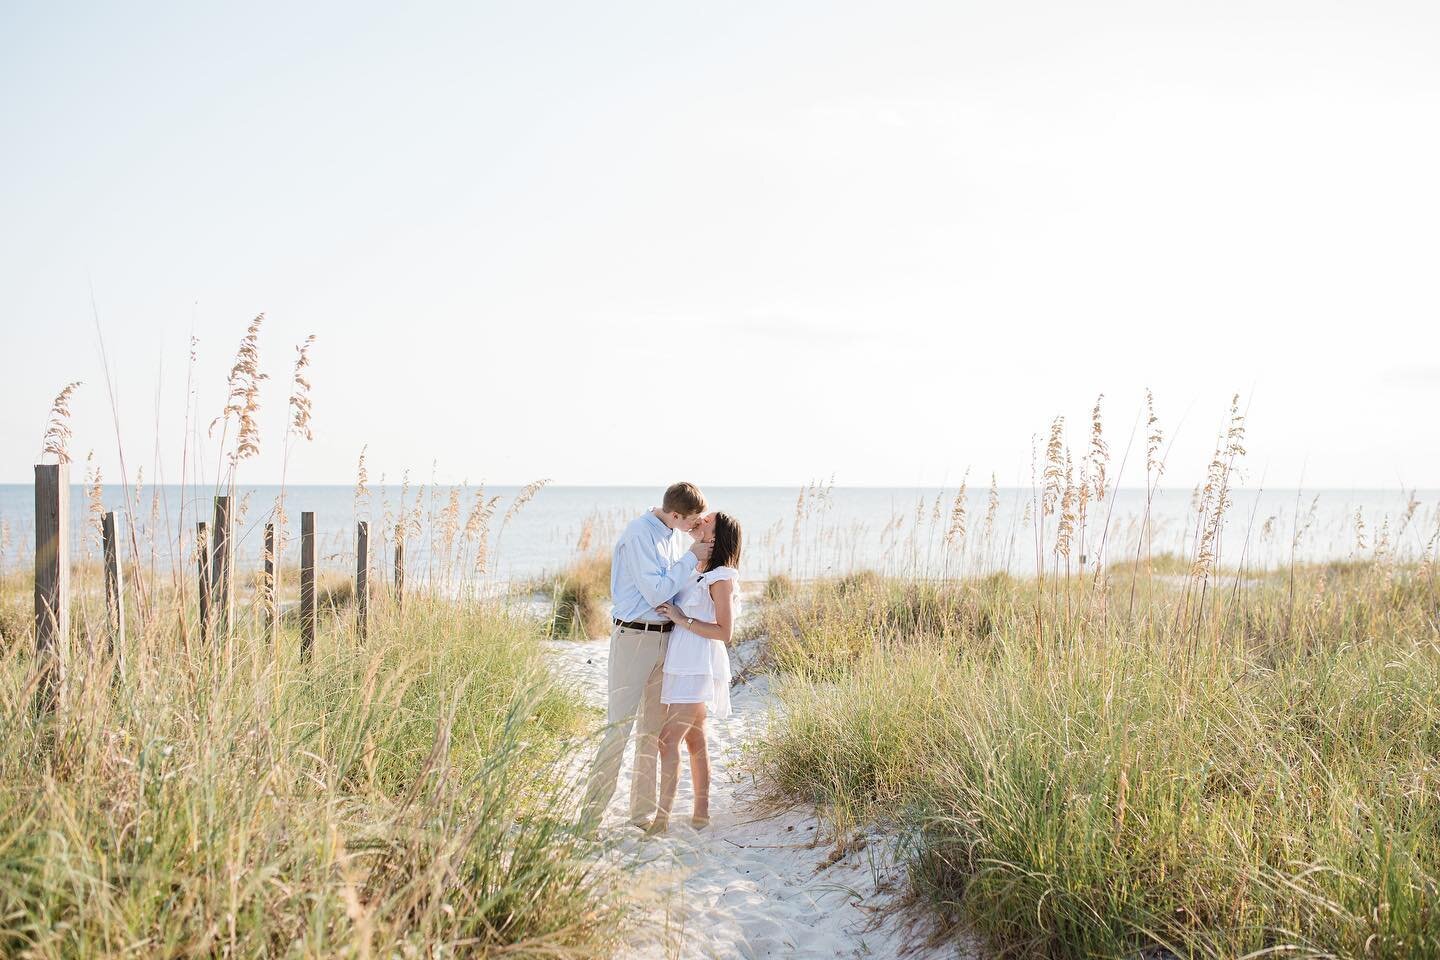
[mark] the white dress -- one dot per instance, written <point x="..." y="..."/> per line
<point x="697" y="669"/>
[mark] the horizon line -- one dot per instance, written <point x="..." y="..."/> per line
<point x="1401" y="488"/>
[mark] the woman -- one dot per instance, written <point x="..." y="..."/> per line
<point x="697" y="671"/>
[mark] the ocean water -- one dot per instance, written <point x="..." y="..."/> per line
<point x="804" y="532"/>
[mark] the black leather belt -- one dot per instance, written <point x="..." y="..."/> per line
<point x="665" y="627"/>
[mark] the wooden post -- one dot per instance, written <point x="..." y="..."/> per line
<point x="362" y="576"/>
<point x="221" y="563"/>
<point x="52" y="577"/>
<point x="399" y="572"/>
<point x="202" y="562"/>
<point x="307" y="584"/>
<point x="267" y="586"/>
<point x="114" y="586"/>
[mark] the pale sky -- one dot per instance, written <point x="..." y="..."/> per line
<point x="738" y="243"/>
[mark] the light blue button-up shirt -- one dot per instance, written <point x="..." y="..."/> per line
<point x="649" y="565"/>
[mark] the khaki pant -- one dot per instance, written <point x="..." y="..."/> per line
<point x="637" y="662"/>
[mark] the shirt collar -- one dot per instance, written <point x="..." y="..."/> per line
<point x="659" y="524"/>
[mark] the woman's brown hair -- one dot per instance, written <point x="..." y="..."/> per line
<point x="726" y="551"/>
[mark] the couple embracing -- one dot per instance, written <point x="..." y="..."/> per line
<point x="673" y="589"/>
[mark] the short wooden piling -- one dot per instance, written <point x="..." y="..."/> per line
<point x="362" y="577"/>
<point x="221" y="567"/>
<point x="399" y="572"/>
<point x="52" y="578"/>
<point x="114" y="586"/>
<point x="202" y="563"/>
<point x="267" y="585"/>
<point x="307" y="584"/>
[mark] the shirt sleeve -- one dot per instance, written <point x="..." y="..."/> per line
<point x="657" y="580"/>
<point x="721" y="573"/>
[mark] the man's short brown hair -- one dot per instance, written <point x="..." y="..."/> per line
<point x="684" y="499"/>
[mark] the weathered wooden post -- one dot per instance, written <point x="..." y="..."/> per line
<point x="267" y="585"/>
<point x="202" y="562"/>
<point x="399" y="572"/>
<point x="221" y="563"/>
<point x="114" y="586"/>
<point x="52" y="578"/>
<point x="307" y="584"/>
<point x="362" y="576"/>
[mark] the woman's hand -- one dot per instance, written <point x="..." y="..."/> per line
<point x="671" y="612"/>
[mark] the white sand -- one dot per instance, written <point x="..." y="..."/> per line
<point x="757" y="882"/>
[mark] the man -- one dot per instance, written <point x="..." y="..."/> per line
<point x="650" y="563"/>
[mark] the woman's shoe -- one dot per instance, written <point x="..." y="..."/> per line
<point x="700" y="821"/>
<point x="657" y="826"/>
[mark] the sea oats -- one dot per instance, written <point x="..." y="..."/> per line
<point x="56" y="442"/>
<point x="1301" y="529"/>
<point x="1383" y="559"/>
<point x="1065" y="532"/>
<point x="300" y="409"/>
<point x="450" y="522"/>
<point x="402" y="513"/>
<point x="477" y="527"/>
<point x="1154" y="439"/>
<point x="526" y="494"/>
<point x="956" y="532"/>
<point x="477" y="522"/>
<point x="95" y="501"/>
<point x="992" y="509"/>
<point x="1203" y="502"/>
<point x="243" y="399"/>
<point x="1411" y="505"/>
<point x="1215" y="496"/>
<point x="1053" y="477"/>
<point x="1098" y="458"/>
<point x="362" y="485"/>
<point x="799" y="518"/>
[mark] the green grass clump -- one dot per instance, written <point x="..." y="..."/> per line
<point x="778" y="586"/>
<point x="826" y="627"/>
<point x="581" y="595"/>
<point x="1075" y="775"/>
<point x="397" y="796"/>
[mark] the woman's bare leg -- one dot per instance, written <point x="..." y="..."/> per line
<point x="678" y="719"/>
<point x="698" y="747"/>
<point x="671" y="733"/>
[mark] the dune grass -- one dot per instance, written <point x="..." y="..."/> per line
<point x="1075" y="775"/>
<point x="403" y="796"/>
<point x="581" y="596"/>
<point x="408" y="794"/>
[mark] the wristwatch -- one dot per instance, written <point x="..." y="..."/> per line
<point x="689" y="621"/>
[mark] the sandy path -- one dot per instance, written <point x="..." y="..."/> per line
<point x="756" y="883"/>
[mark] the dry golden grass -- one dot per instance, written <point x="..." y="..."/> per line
<point x="403" y="796"/>
<point x="56" y="442"/>
<point x="581" y="597"/>
<point x="1165" y="752"/>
